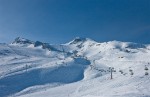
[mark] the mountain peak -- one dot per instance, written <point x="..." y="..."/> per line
<point x="20" y="40"/>
<point x="80" y="39"/>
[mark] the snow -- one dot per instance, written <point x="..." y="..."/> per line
<point x="79" y="68"/>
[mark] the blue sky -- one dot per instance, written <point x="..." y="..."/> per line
<point x="59" y="21"/>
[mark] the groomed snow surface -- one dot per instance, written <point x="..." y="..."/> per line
<point x="80" y="68"/>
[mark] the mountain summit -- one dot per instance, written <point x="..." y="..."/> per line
<point x="20" y="40"/>
<point x="80" y="40"/>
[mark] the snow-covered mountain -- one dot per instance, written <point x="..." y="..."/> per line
<point x="79" y="68"/>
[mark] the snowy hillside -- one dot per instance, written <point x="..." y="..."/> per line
<point x="79" y="68"/>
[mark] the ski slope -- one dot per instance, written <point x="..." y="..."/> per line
<point x="79" y="68"/>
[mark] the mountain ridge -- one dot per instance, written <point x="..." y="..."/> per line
<point x="76" y="40"/>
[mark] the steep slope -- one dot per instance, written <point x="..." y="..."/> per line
<point x="80" y="68"/>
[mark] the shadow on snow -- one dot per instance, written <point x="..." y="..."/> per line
<point x="63" y="74"/>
